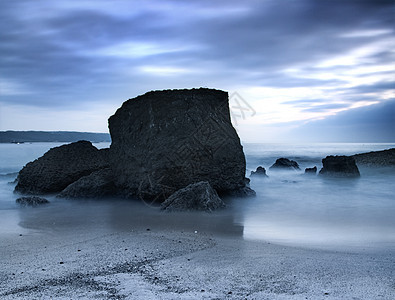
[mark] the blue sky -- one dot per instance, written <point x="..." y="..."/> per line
<point x="297" y="65"/>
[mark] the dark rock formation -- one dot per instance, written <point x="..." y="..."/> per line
<point x="385" y="158"/>
<point x="260" y="171"/>
<point x="196" y="196"/>
<point x="311" y="171"/>
<point x="96" y="185"/>
<point x="285" y="163"/>
<point x="339" y="166"/>
<point x="31" y="201"/>
<point x="59" y="167"/>
<point x="165" y="140"/>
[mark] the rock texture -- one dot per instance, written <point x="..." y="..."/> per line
<point x="285" y="163"/>
<point x="196" y="196"/>
<point x="260" y="171"/>
<point x="165" y="140"/>
<point x="339" y="166"/>
<point x="59" y="167"/>
<point x="96" y="185"/>
<point x="311" y="171"/>
<point x="385" y="158"/>
<point x="31" y="201"/>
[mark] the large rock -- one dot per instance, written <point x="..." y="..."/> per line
<point x="196" y="196"/>
<point x="96" y="185"/>
<point x="285" y="163"/>
<point x="31" y="201"/>
<point x="165" y="140"/>
<point x="339" y="166"/>
<point x="59" y="167"/>
<point x="385" y="158"/>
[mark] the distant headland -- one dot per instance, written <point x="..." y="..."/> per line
<point x="11" y="136"/>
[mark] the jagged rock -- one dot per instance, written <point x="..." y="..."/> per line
<point x="285" y="163"/>
<point x="59" y="167"/>
<point x="31" y="201"/>
<point x="339" y="166"/>
<point x="311" y="171"/>
<point x="385" y="158"/>
<point x="260" y="171"/>
<point x="165" y="140"/>
<point x="196" y="196"/>
<point x="96" y="185"/>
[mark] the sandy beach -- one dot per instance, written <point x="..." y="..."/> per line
<point x="93" y="250"/>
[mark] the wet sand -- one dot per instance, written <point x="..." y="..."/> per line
<point x="102" y="251"/>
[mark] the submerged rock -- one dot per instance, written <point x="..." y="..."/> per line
<point x="285" y="163"/>
<point x="96" y="185"/>
<point x="196" y="196"/>
<point x="165" y="140"/>
<point x="311" y="171"/>
<point x="260" y="171"/>
<point x="31" y="201"/>
<point x="339" y="166"/>
<point x="59" y="167"/>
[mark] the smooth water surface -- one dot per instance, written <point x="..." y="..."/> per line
<point x="290" y="208"/>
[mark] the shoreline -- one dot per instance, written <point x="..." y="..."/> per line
<point x="201" y="256"/>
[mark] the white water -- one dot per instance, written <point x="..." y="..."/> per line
<point x="290" y="208"/>
<point x="294" y="209"/>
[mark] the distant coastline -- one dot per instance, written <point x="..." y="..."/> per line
<point x="11" y="136"/>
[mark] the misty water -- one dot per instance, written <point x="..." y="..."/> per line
<point x="290" y="208"/>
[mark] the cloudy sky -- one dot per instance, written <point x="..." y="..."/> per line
<point x="300" y="68"/>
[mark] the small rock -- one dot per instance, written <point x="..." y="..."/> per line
<point x="311" y="171"/>
<point x="285" y="163"/>
<point x="196" y="196"/>
<point x="260" y="171"/>
<point x="31" y="201"/>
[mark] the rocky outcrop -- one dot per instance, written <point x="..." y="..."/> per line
<point x="339" y="166"/>
<point x="59" y="167"/>
<point x="96" y="185"/>
<point x="311" y="171"/>
<point x="31" y="201"/>
<point x="260" y="171"/>
<point x="165" y="140"/>
<point x="285" y="163"/>
<point x="196" y="196"/>
<point x="385" y="158"/>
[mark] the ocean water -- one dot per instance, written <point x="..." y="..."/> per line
<point x="290" y="208"/>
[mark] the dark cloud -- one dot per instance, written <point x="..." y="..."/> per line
<point x="64" y="53"/>
<point x="326" y="107"/>
<point x="374" y="123"/>
<point x="372" y="88"/>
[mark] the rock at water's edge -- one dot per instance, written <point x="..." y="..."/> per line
<point x="59" y="167"/>
<point x="165" y="140"/>
<point x="260" y="171"/>
<point x="285" y="163"/>
<point x="339" y="166"/>
<point x="31" y="201"/>
<point x="385" y="158"/>
<point x="96" y="185"/>
<point x="196" y="196"/>
<point x="311" y="171"/>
